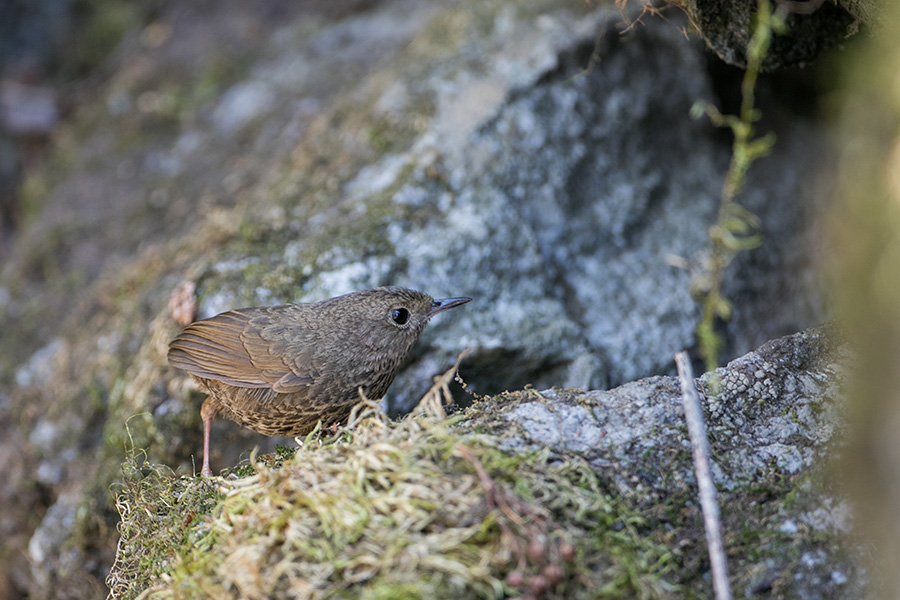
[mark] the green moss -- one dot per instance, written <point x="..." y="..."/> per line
<point x="269" y="461"/>
<point x="163" y="517"/>
<point x="394" y="592"/>
<point x="412" y="510"/>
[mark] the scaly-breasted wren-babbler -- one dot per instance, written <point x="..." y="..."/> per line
<point x="279" y="370"/>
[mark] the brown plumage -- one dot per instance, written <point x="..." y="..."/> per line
<point x="278" y="370"/>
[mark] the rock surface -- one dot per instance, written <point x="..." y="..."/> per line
<point x="780" y="408"/>
<point x="533" y="157"/>
<point x="778" y="420"/>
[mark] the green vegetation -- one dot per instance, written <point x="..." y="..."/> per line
<point x="421" y="508"/>
<point x="437" y="507"/>
<point x="736" y="227"/>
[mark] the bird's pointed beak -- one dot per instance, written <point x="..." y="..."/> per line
<point x="445" y="303"/>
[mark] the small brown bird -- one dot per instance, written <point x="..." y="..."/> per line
<point x="278" y="370"/>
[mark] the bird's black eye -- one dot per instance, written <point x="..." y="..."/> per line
<point x="399" y="315"/>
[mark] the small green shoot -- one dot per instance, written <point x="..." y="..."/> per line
<point x="737" y="228"/>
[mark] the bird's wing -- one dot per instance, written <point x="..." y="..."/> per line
<point x="243" y="348"/>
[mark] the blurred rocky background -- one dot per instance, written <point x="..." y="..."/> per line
<point x="165" y="160"/>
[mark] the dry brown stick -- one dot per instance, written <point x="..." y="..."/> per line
<point x="700" y="448"/>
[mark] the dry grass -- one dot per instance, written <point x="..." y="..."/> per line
<point x="414" y="509"/>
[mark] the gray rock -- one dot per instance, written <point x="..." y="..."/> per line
<point x="562" y="193"/>
<point x="55" y="524"/>
<point x="41" y="365"/>
<point x="242" y="104"/>
<point x="638" y="428"/>
<point x="636" y="437"/>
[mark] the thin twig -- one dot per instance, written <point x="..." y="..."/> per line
<point x="700" y="448"/>
<point x="458" y="378"/>
<point x="432" y="403"/>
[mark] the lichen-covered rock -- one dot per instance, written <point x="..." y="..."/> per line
<point x="787" y="420"/>
<point x="773" y="446"/>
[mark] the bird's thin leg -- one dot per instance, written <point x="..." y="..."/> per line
<point x="207" y="413"/>
<point x="206" y="471"/>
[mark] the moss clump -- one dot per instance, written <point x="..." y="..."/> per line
<point x="415" y="509"/>
<point x="165" y="520"/>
